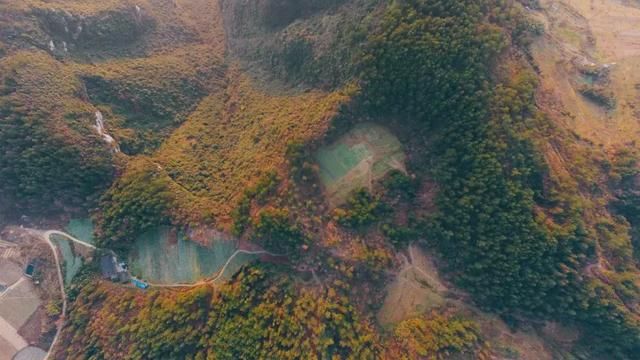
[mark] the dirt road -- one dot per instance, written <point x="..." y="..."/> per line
<point x="46" y="237"/>
<point x="220" y="272"/>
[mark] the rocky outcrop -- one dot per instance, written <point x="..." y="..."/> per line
<point x="304" y="43"/>
<point x="255" y="15"/>
<point x="118" y="27"/>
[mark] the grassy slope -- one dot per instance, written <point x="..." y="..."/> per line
<point x="237" y="130"/>
<point x="583" y="146"/>
<point x="50" y="152"/>
<point x="235" y="136"/>
<point x="143" y="99"/>
<point x="74" y="6"/>
<point x="151" y="96"/>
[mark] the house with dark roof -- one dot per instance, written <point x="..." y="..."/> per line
<point x="113" y="270"/>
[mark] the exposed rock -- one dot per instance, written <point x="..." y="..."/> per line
<point x="303" y="43"/>
<point x="111" y="28"/>
<point x="270" y="14"/>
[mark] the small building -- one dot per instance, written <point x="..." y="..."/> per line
<point x="139" y="283"/>
<point x="30" y="270"/>
<point x="113" y="270"/>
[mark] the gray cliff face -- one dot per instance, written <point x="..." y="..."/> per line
<point x="252" y="16"/>
<point x="119" y="27"/>
<point x="302" y="43"/>
<point x="62" y="33"/>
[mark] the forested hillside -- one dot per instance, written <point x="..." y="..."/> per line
<point x="477" y="222"/>
<point x="495" y="221"/>
<point x="50" y="156"/>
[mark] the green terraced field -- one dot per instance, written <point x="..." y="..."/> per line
<point x="72" y="261"/>
<point x="81" y="229"/>
<point x="161" y="258"/>
<point x="360" y="157"/>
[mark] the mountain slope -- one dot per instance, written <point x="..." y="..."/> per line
<point x="513" y="194"/>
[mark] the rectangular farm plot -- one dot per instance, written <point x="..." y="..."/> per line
<point x="165" y="258"/>
<point x="72" y="260"/>
<point x="18" y="303"/>
<point x="9" y="273"/>
<point x="357" y="159"/>
<point x="6" y="349"/>
<point x="337" y="161"/>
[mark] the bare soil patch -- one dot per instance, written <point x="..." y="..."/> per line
<point x="416" y="289"/>
<point x="603" y="33"/>
<point x="32" y="330"/>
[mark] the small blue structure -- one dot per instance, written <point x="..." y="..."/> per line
<point x="139" y="283"/>
<point x="30" y="270"/>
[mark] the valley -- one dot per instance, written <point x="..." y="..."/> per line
<point x="335" y="179"/>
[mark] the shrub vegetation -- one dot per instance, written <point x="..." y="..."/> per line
<point x="274" y="229"/>
<point x="431" y="62"/>
<point x="362" y="209"/>
<point x="433" y="337"/>
<point x="50" y="157"/>
<point x="258" y="315"/>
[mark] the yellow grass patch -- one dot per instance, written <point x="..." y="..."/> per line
<point x="233" y="137"/>
<point x="604" y="32"/>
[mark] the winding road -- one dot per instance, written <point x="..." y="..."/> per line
<point x="48" y="233"/>
<point x="46" y="237"/>
<point x="220" y="272"/>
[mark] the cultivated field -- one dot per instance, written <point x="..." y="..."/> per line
<point x="163" y="256"/>
<point x="18" y="302"/>
<point x="358" y="159"/>
<point x="25" y="316"/>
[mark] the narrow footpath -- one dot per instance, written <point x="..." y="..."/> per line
<point x="46" y="237"/>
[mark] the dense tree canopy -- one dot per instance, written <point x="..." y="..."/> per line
<point x="504" y="232"/>
<point x="50" y="157"/>
<point x="259" y="315"/>
<point x="274" y="229"/>
<point x="433" y="337"/>
<point x="432" y="62"/>
<point x="138" y="201"/>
